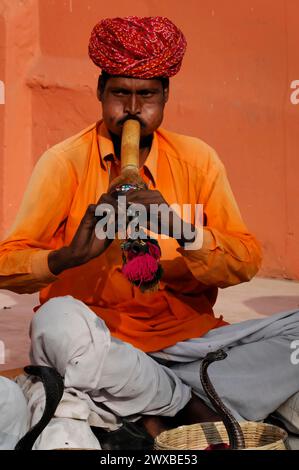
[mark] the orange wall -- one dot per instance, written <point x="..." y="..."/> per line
<point x="233" y="91"/>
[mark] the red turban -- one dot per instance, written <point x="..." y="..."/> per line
<point x="137" y="47"/>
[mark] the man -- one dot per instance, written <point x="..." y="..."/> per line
<point x="140" y="354"/>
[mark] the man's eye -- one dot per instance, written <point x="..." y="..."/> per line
<point x="146" y="94"/>
<point x="120" y="93"/>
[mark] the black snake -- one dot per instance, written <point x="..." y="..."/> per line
<point x="53" y="384"/>
<point x="234" y="431"/>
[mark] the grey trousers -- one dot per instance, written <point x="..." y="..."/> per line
<point x="257" y="376"/>
<point x="13" y="414"/>
<point x="261" y="370"/>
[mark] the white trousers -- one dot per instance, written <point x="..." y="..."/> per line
<point x="254" y="380"/>
<point x="261" y="370"/>
<point x="117" y="380"/>
<point x="67" y="335"/>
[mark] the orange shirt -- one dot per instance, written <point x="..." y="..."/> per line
<point x="72" y="175"/>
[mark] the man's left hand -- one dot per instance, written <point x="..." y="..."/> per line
<point x="150" y="199"/>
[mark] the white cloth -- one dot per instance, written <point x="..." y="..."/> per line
<point x="14" y="414"/>
<point x="288" y="413"/>
<point x="68" y="429"/>
<point x="118" y="380"/>
<point x="115" y="379"/>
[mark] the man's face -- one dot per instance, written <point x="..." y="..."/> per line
<point x="125" y="98"/>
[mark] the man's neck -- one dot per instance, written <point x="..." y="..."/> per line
<point x="144" y="147"/>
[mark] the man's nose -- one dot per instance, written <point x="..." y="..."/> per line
<point x="132" y="105"/>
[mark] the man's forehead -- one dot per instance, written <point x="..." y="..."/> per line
<point x="134" y="83"/>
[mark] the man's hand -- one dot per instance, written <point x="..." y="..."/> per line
<point x="159" y="224"/>
<point x="85" y="244"/>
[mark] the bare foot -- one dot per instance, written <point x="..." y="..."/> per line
<point x="155" y="424"/>
<point x="196" y="411"/>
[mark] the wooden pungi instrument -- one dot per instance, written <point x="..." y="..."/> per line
<point x="141" y="255"/>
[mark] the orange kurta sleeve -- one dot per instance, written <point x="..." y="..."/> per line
<point x="229" y="253"/>
<point x="24" y="252"/>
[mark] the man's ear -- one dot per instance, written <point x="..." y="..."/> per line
<point x="100" y="89"/>
<point x="99" y="94"/>
<point x="166" y="94"/>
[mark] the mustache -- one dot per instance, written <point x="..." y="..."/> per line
<point x="120" y="122"/>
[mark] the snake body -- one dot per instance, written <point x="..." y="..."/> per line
<point x="234" y="431"/>
<point x="54" y="386"/>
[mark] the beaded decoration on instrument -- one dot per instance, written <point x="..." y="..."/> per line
<point x="141" y="256"/>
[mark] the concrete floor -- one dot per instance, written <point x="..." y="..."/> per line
<point x="256" y="299"/>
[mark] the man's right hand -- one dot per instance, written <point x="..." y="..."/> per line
<point x="85" y="244"/>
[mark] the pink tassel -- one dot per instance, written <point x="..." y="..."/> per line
<point x="140" y="268"/>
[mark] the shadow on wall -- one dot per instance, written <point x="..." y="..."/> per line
<point x="269" y="305"/>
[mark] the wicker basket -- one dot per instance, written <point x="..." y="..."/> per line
<point x="258" y="436"/>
